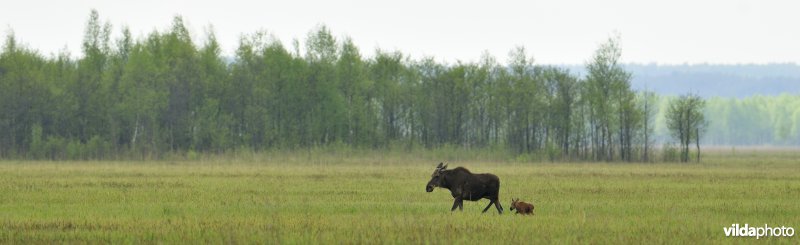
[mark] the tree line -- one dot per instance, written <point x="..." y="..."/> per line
<point x="147" y="96"/>
<point x="755" y="120"/>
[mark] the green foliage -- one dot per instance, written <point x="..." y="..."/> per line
<point x="165" y="94"/>
<point x="75" y="150"/>
<point x="669" y="153"/>
<point x="37" y="146"/>
<point x="756" y="120"/>
<point x="686" y="122"/>
<point x="614" y="118"/>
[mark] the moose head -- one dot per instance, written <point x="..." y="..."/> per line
<point x="436" y="177"/>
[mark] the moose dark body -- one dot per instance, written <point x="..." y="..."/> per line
<point x="464" y="185"/>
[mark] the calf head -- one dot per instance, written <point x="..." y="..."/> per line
<point x="514" y="203"/>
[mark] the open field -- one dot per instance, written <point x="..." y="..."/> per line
<point x="375" y="199"/>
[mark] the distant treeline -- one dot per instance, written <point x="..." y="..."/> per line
<point x="756" y="120"/>
<point x="163" y="93"/>
<point x="707" y="81"/>
<point x="750" y="121"/>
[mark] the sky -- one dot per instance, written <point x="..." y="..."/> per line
<point x="552" y="31"/>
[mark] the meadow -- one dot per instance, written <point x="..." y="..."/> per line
<point x="290" y="198"/>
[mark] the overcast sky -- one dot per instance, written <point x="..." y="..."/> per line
<point x="553" y="31"/>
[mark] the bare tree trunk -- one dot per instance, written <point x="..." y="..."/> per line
<point x="697" y="142"/>
<point x="646" y="133"/>
<point x="135" y="133"/>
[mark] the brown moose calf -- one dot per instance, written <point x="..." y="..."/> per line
<point x="521" y="207"/>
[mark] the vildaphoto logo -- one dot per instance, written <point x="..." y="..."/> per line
<point x="757" y="231"/>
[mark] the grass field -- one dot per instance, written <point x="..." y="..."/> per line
<point x="381" y="199"/>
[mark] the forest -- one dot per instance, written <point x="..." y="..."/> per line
<point x="143" y="97"/>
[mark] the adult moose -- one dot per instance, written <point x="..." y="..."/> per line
<point x="464" y="185"/>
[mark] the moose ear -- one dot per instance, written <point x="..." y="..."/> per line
<point x="440" y="165"/>
<point x="445" y="166"/>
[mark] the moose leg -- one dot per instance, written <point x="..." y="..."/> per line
<point x="457" y="203"/>
<point x="487" y="206"/>
<point x="499" y="208"/>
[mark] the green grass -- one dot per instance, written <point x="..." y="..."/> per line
<point x="371" y="198"/>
